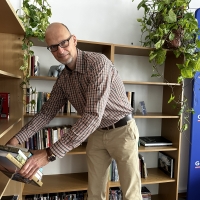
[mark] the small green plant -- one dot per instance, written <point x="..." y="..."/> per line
<point x="35" y="19"/>
<point x="168" y="25"/>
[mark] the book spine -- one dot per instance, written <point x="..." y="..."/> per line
<point x="4" y="114"/>
<point x="19" y="165"/>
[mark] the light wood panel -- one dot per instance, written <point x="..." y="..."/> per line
<point x="7" y="125"/>
<point x="59" y="183"/>
<point x="9" y="21"/>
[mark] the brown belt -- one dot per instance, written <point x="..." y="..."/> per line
<point x="121" y="122"/>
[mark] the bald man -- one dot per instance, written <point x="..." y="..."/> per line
<point x="93" y="86"/>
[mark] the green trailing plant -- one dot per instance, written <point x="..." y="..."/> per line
<point x="35" y="18"/>
<point x="169" y="25"/>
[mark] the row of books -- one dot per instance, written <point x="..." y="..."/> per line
<point x="78" y="195"/>
<point x="12" y="159"/>
<point x="114" y="175"/>
<point x="4" y="105"/>
<point x="46" y="137"/>
<point x="35" y="100"/>
<point x="115" y="193"/>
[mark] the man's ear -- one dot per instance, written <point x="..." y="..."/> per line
<point x="74" y="40"/>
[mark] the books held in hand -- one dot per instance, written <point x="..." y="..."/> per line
<point x="12" y="159"/>
<point x="166" y="163"/>
<point x="154" y="141"/>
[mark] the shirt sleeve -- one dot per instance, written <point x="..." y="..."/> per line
<point x="100" y="76"/>
<point x="46" y="114"/>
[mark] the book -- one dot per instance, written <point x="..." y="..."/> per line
<point x="166" y="163"/>
<point x="10" y="166"/>
<point x="5" y="105"/>
<point x="20" y="154"/>
<point x="146" y="194"/>
<point x="11" y="197"/>
<point x="154" y="141"/>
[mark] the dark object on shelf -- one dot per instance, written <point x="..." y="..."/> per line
<point x="166" y="164"/>
<point x="154" y="141"/>
<point x="1" y="104"/>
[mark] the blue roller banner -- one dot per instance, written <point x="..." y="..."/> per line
<point x="193" y="186"/>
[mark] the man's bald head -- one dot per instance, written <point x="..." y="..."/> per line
<point x="53" y="29"/>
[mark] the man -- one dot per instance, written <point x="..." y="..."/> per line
<point x="93" y="86"/>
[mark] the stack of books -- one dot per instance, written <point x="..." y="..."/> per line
<point x="12" y="159"/>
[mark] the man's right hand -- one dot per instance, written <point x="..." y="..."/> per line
<point x="13" y="141"/>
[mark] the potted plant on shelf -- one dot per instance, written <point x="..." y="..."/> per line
<point x="35" y="19"/>
<point x="169" y="25"/>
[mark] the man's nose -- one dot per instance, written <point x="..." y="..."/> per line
<point x="60" y="50"/>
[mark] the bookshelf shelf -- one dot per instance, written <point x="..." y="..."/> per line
<point x="4" y="74"/>
<point x="7" y="125"/>
<point x="82" y="149"/>
<point x="60" y="115"/>
<point x="151" y="83"/>
<point x="156" y="149"/>
<point x="155" y="176"/>
<point x="79" y="150"/>
<point x="137" y="115"/>
<point x="46" y="78"/>
<point x="59" y="183"/>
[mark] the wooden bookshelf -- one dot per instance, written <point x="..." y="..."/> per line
<point x="11" y="57"/>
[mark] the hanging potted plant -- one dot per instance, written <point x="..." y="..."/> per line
<point x="35" y="19"/>
<point x="168" y="25"/>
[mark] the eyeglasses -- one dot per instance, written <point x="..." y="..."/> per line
<point x="63" y="44"/>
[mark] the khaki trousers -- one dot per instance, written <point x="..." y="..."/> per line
<point x="122" y="145"/>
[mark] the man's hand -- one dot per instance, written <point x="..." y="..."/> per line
<point x="13" y="141"/>
<point x="36" y="161"/>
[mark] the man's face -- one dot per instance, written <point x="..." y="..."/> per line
<point x="61" y="44"/>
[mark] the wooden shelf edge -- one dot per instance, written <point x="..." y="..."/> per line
<point x="155" y="176"/>
<point x="3" y="184"/>
<point x="46" y="78"/>
<point x="136" y="115"/>
<point x="151" y="83"/>
<point x="59" y="183"/>
<point x="7" y="124"/>
<point x="156" y="149"/>
<point x="6" y="74"/>
<point x="61" y="115"/>
<point x="43" y="78"/>
<point x="79" y="150"/>
<point x="82" y="149"/>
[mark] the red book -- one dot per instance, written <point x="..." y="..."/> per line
<point x="32" y="65"/>
<point x="4" y="113"/>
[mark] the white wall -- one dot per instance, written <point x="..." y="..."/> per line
<point x="112" y="21"/>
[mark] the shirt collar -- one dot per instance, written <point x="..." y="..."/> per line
<point x="79" y="63"/>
